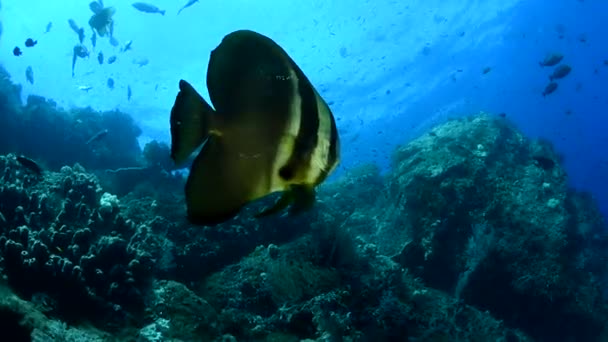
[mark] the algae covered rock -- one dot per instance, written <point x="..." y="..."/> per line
<point x="488" y="215"/>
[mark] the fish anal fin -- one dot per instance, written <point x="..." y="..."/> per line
<point x="189" y="122"/>
<point x="300" y="197"/>
<point x="283" y="202"/>
<point x="215" y="190"/>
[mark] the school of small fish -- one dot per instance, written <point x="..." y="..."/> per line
<point x="101" y="24"/>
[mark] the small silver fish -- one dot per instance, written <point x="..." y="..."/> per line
<point x="85" y="88"/>
<point x="127" y="46"/>
<point x="48" y="27"/>
<point x="188" y="4"/>
<point x="129" y="93"/>
<point x="98" y="136"/>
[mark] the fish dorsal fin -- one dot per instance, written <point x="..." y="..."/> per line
<point x="249" y="73"/>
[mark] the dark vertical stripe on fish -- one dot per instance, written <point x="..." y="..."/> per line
<point x="332" y="155"/>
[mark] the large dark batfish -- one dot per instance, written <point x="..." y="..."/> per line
<point x="270" y="131"/>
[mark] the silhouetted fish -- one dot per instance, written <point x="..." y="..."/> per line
<point x="30" y="42"/>
<point x="551" y="87"/>
<point x="98" y="136"/>
<point x="551" y="59"/>
<point x="560" y="72"/>
<point x="30" y="165"/>
<point x="147" y="8"/>
<point x="29" y="74"/>
<point x="188" y="4"/>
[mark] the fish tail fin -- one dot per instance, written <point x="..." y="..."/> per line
<point x="190" y="122"/>
<point x="162" y="12"/>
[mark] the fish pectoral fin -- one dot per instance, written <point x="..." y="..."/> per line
<point x="304" y="199"/>
<point x="189" y="122"/>
<point x="286" y="199"/>
<point x="215" y="190"/>
<point x="300" y="197"/>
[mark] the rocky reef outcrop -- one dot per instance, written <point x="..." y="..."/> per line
<point x="473" y="235"/>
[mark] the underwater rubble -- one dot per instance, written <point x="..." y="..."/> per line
<point x="473" y="235"/>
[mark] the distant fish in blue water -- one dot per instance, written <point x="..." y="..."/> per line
<point x="17" y="51"/>
<point x="110" y="83"/>
<point x="102" y="21"/>
<point x="114" y="42"/>
<point x="188" y="4"/>
<point x="79" y="51"/>
<point x="29" y="74"/>
<point x="129" y="93"/>
<point x="85" y="88"/>
<point x="30" y="42"/>
<point x="73" y="25"/>
<point x="486" y="70"/>
<point x="560" y="72"/>
<point x="112" y="59"/>
<point x="550" y="88"/>
<point x="147" y="8"/>
<point x="551" y="59"/>
<point x="78" y="30"/>
<point x="96" y="7"/>
<point x="48" y="27"/>
<point x="94" y="39"/>
<point x="100" y="57"/>
<point x="127" y="46"/>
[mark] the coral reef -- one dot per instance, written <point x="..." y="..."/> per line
<point x="473" y="235"/>
<point x="56" y="137"/>
<point x="62" y="237"/>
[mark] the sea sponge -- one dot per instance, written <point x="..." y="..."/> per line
<point x="108" y="204"/>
